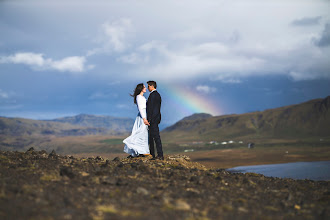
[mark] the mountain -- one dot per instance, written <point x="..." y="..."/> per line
<point x="197" y="116"/>
<point x="305" y="120"/>
<point x="99" y="121"/>
<point x="189" y="122"/>
<point x="79" y="125"/>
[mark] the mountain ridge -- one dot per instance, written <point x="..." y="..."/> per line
<point x="120" y="124"/>
<point x="67" y="126"/>
<point x="307" y="119"/>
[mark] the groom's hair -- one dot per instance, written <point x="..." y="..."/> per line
<point x="152" y="83"/>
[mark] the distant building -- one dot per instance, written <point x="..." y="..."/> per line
<point x="224" y="142"/>
<point x="250" y="145"/>
<point x="231" y="142"/>
<point x="189" y="150"/>
<point x="240" y="142"/>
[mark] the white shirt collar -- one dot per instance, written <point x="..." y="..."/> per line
<point x="153" y="90"/>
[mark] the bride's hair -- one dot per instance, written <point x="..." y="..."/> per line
<point x="137" y="91"/>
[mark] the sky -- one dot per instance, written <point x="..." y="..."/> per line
<point x="63" y="58"/>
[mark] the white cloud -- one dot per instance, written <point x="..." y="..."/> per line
<point x="113" y="37"/>
<point x="70" y="64"/>
<point x="37" y="61"/>
<point x="208" y="59"/>
<point x="206" y="89"/>
<point x="33" y="59"/>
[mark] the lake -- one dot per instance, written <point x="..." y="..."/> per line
<point x="319" y="170"/>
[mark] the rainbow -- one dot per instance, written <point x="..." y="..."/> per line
<point x="188" y="101"/>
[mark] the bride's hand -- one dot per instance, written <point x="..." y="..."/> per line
<point x="146" y="122"/>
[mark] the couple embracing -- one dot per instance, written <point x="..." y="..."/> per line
<point x="145" y="130"/>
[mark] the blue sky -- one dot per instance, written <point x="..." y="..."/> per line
<point x="62" y="58"/>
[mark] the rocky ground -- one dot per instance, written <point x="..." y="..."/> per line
<point x="37" y="185"/>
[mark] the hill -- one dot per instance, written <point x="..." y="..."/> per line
<point x="79" y="125"/>
<point x="28" y="127"/>
<point x="99" y="121"/>
<point x="50" y="186"/>
<point x="305" y="120"/>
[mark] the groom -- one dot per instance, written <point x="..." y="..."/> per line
<point x="154" y="118"/>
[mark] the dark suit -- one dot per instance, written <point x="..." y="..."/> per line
<point x="154" y="117"/>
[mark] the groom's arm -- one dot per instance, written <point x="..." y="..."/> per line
<point x="150" y="107"/>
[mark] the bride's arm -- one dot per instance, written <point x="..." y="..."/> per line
<point x="142" y="106"/>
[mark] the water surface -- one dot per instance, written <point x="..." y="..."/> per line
<point x="319" y="170"/>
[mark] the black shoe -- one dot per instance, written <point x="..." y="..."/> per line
<point x="153" y="158"/>
<point x="160" y="157"/>
<point x="141" y="155"/>
<point x="157" y="158"/>
<point x="130" y="156"/>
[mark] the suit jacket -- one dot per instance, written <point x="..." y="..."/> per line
<point x="153" y="108"/>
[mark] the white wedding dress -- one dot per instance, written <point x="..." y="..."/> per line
<point x="137" y="142"/>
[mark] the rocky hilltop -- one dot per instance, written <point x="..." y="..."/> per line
<point x="38" y="185"/>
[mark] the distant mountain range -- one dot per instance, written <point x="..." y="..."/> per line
<point x="79" y="125"/>
<point x="306" y="120"/>
<point x="99" y="121"/>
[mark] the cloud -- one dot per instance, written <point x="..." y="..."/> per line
<point x="7" y="100"/>
<point x="113" y="37"/>
<point x="37" y="61"/>
<point x="70" y="64"/>
<point x="102" y="95"/>
<point x="227" y="78"/>
<point x="217" y="40"/>
<point x="123" y="106"/>
<point x="205" y="89"/>
<point x="324" y="39"/>
<point x="32" y="59"/>
<point x="222" y="62"/>
<point x="232" y="61"/>
<point x="3" y="95"/>
<point x="132" y="58"/>
<point x="307" y="21"/>
<point x="194" y="33"/>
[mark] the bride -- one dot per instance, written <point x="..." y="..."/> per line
<point x="137" y="143"/>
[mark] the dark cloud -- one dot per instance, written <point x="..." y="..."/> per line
<point x="324" y="40"/>
<point x="306" y="21"/>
